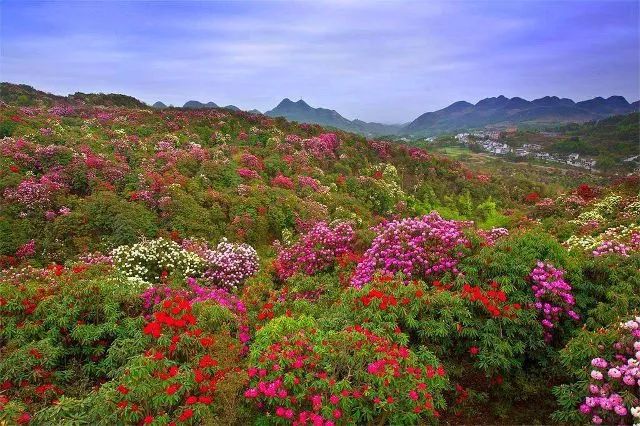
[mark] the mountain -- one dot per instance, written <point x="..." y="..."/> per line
<point x="199" y="105"/>
<point x="254" y="111"/>
<point x="506" y="112"/>
<point x="232" y="108"/>
<point x="159" y="105"/>
<point x="304" y="113"/>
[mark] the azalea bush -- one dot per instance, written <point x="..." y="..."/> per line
<point x="149" y="260"/>
<point x="316" y="250"/>
<point x="415" y="247"/>
<point x="299" y="373"/>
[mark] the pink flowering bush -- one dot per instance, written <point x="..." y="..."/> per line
<point x="316" y="250"/>
<point x="322" y="146"/>
<point x="251" y="161"/>
<point x="248" y="174"/>
<point x="34" y="193"/>
<point x="613" y="388"/>
<point x="491" y="236"/>
<point x="301" y="375"/>
<point x="416" y="247"/>
<point x="282" y="182"/>
<point x="554" y="299"/>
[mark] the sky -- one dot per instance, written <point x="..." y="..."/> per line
<point x="385" y="61"/>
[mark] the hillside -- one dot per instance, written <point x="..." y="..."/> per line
<point x="24" y="95"/>
<point x="213" y="266"/>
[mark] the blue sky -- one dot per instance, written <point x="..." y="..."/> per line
<point x="378" y="61"/>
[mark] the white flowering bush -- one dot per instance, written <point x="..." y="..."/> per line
<point x="620" y="239"/>
<point x="149" y="260"/>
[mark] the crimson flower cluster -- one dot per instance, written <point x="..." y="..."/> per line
<point x="493" y="300"/>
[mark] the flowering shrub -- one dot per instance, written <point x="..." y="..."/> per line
<point x="149" y="260"/>
<point x="491" y="236"/>
<point x="282" y="182"/>
<point x="189" y="360"/>
<point x="322" y="146"/>
<point x="34" y="193"/>
<point x="614" y="382"/>
<point x="229" y="264"/>
<point x="363" y="377"/>
<point x="248" y="174"/>
<point x="553" y="295"/>
<point x="381" y="187"/>
<point x="316" y="250"/>
<point x="417" y="248"/>
<point x="52" y="321"/>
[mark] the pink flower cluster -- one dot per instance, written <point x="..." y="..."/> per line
<point x="33" y="193"/>
<point x="612" y="247"/>
<point x="553" y="297"/>
<point x="282" y="182"/>
<point x="322" y="146"/>
<point x="415" y="247"/>
<point x="27" y="250"/>
<point x="229" y="264"/>
<point x="248" y="174"/>
<point x="251" y="161"/>
<point x="491" y="236"/>
<point x="383" y="149"/>
<point x="316" y="250"/>
<point x="309" y="182"/>
<point x="612" y="379"/>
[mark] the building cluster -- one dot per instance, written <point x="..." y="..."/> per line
<point x="489" y="142"/>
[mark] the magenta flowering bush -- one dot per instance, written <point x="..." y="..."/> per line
<point x="34" y="193"/>
<point x="415" y="247"/>
<point x="614" y="386"/>
<point x="248" y="174"/>
<point x="316" y="250"/>
<point x="322" y="146"/>
<point x="309" y="182"/>
<point x="554" y="299"/>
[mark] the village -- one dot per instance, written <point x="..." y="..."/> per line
<point x="488" y="141"/>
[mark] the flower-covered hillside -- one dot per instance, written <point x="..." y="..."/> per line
<point x="167" y="267"/>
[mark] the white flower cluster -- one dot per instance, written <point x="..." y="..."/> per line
<point x="229" y="264"/>
<point x="605" y="207"/>
<point x="618" y="234"/>
<point x="148" y="259"/>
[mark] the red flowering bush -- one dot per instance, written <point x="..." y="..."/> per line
<point x="54" y="320"/>
<point x="300" y="374"/>
<point x="181" y="374"/>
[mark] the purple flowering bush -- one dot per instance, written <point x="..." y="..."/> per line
<point x="553" y="297"/>
<point x="416" y="247"/>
